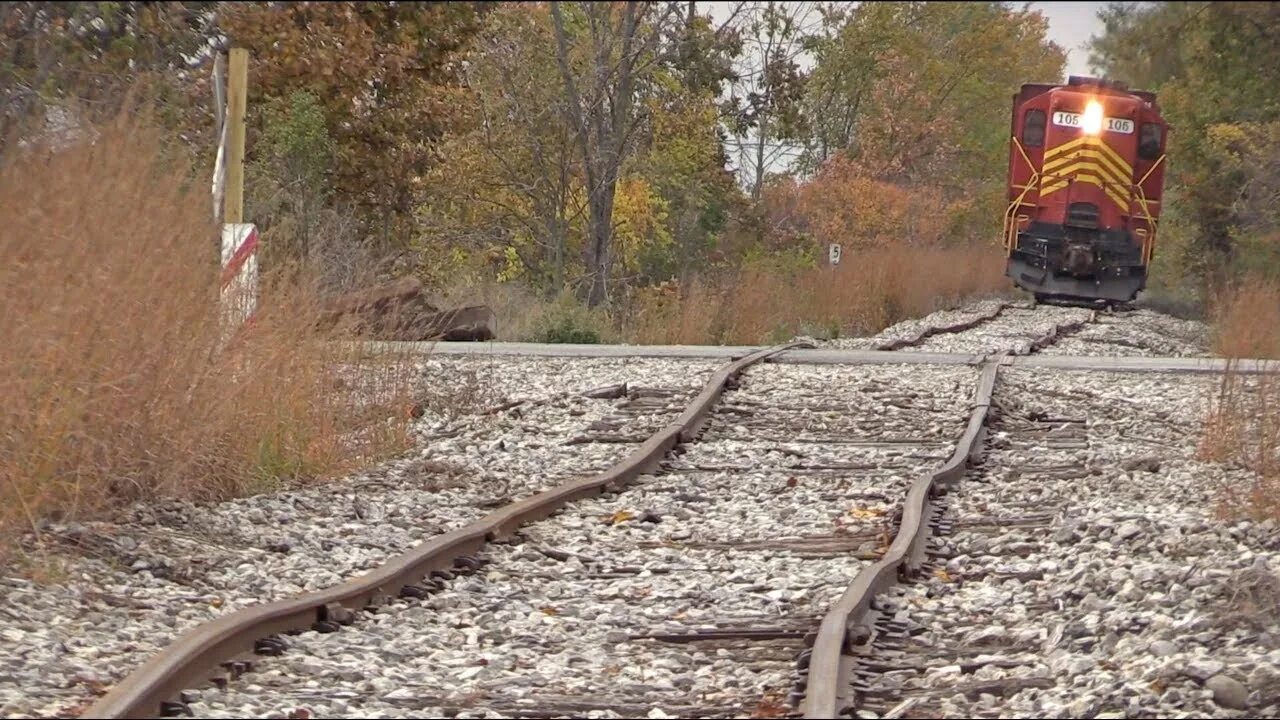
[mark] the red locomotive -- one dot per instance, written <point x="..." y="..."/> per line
<point x="1086" y="174"/>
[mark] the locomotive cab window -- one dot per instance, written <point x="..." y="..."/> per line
<point x="1149" y="141"/>
<point x="1033" y="128"/>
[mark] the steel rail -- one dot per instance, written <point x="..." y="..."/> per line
<point x="844" y="626"/>
<point x="190" y="659"/>
<point x="929" y="332"/>
<point x="1056" y="333"/>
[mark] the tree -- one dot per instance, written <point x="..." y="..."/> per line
<point x="920" y="90"/>
<point x="764" y="108"/>
<point x="602" y="109"/>
<point x="387" y="77"/>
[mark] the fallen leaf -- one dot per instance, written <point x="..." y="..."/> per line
<point x="621" y="516"/>
<point x="772" y="705"/>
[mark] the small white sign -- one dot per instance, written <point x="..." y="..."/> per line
<point x="1120" y="125"/>
<point x="833" y="253"/>
<point x="239" y="272"/>
<point x="1075" y="120"/>
<point x="1068" y="119"/>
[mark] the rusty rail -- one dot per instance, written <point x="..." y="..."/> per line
<point x="1056" y="333"/>
<point x="196" y="654"/>
<point x="845" y="626"/>
<point x="929" y="332"/>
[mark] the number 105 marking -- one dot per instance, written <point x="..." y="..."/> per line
<point x="1075" y="120"/>
<point x="1120" y="125"/>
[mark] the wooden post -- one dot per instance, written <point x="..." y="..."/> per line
<point x="237" y="101"/>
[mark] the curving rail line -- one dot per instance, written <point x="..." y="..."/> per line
<point x="197" y="654"/>
<point x="846" y="624"/>
<point x="226" y="642"/>
<point x="961" y="326"/>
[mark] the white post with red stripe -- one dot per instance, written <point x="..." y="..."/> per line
<point x="239" y="273"/>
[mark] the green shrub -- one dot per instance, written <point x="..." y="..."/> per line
<point x="567" y="320"/>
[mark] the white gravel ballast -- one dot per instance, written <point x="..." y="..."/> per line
<point x="756" y="528"/>
<point x="1124" y="332"/>
<point x="1088" y="574"/>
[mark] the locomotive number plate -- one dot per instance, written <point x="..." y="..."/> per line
<point x="1075" y="120"/>
<point x="1120" y="125"/>
<point x="1068" y="119"/>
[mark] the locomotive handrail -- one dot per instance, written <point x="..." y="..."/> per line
<point x="1010" y="219"/>
<point x="1148" y="243"/>
<point x="1154" y="165"/>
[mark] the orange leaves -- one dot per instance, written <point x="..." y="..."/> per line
<point x="619" y="517"/>
<point x="342" y="52"/>
<point x="845" y="204"/>
<point x="866" y="513"/>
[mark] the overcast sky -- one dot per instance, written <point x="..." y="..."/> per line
<point x="1070" y="25"/>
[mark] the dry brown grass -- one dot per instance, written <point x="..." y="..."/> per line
<point x="867" y="292"/>
<point x="1246" y="320"/>
<point x="115" y="385"/>
<point x="1243" y="427"/>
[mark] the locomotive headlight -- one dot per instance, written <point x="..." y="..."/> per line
<point x="1091" y="123"/>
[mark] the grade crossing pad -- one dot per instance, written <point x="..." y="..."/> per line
<point x="821" y="356"/>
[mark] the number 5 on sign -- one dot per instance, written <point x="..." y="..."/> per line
<point x="833" y="253"/>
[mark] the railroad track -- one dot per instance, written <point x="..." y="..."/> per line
<point x="689" y="593"/>
<point x="994" y="601"/>
<point x="531" y="593"/>
<point x="415" y="575"/>
<point x="1010" y="328"/>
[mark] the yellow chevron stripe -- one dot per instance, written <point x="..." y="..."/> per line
<point x="1115" y="157"/>
<point x="1084" y="173"/>
<point x="1101" y="158"/>
<point x="1097" y="168"/>
<point x="1050" y="189"/>
<point x="1051" y="152"/>
<point x="1094" y="180"/>
<point x="1093" y="142"/>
